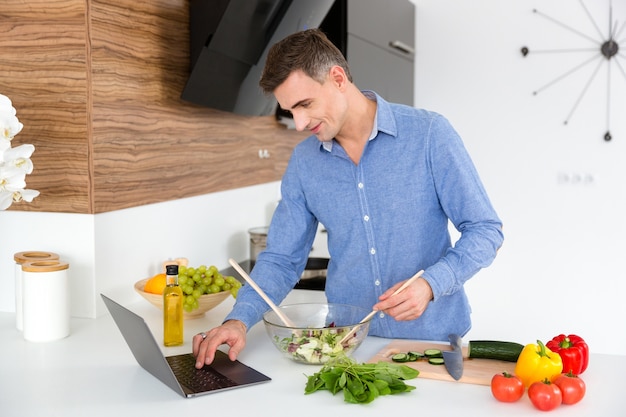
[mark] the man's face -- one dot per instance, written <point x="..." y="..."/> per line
<point x="319" y="108"/>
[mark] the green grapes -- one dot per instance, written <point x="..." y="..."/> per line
<point x="195" y="282"/>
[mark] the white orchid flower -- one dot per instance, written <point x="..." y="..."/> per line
<point x="12" y="180"/>
<point x="6" y="199"/>
<point x="19" y="158"/>
<point x="4" y="145"/>
<point x="25" y="195"/>
<point x="9" y="126"/>
<point x="12" y="183"/>
<point x="15" y="163"/>
<point x="9" y="197"/>
<point x="6" y="104"/>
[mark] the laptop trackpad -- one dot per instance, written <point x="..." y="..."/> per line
<point x="236" y="370"/>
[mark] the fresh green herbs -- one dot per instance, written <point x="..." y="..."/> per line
<point x="361" y="383"/>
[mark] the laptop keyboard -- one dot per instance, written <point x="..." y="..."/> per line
<point x="198" y="380"/>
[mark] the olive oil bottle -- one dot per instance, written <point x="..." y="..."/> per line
<point x="172" y="309"/>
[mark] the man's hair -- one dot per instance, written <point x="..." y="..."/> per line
<point x="309" y="51"/>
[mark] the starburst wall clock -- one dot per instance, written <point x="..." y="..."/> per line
<point x="609" y="52"/>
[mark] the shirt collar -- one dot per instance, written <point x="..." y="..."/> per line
<point x="383" y="119"/>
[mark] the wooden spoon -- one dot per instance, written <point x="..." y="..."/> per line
<point x="286" y="321"/>
<point x="371" y="314"/>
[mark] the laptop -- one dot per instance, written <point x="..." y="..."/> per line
<point x="179" y="372"/>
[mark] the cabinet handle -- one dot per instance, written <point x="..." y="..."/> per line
<point x="402" y="47"/>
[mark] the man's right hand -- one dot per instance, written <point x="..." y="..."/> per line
<point x="232" y="333"/>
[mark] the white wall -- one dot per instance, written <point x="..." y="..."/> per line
<point x="561" y="266"/>
<point x="109" y="252"/>
<point x="69" y="235"/>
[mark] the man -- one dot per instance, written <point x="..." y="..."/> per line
<point x="384" y="180"/>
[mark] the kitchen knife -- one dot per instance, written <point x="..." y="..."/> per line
<point x="453" y="359"/>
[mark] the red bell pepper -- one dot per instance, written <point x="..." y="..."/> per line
<point x="573" y="351"/>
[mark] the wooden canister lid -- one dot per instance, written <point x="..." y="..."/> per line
<point x="44" y="266"/>
<point x="34" y="255"/>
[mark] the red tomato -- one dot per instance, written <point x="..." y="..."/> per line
<point x="572" y="387"/>
<point x="506" y="387"/>
<point x="545" y="395"/>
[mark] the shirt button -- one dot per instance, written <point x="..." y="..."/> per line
<point x="373" y="251"/>
<point x="381" y="315"/>
<point x="377" y="282"/>
<point x="360" y="185"/>
<point x="366" y="218"/>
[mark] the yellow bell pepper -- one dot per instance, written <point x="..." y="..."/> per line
<point x="536" y="363"/>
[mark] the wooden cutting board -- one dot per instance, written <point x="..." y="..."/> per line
<point x="475" y="371"/>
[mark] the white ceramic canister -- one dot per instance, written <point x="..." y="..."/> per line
<point x="45" y="297"/>
<point x="21" y="258"/>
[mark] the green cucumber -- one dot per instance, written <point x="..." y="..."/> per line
<point x="414" y="356"/>
<point x="494" y="349"/>
<point x="433" y="353"/>
<point x="400" y="357"/>
<point x="435" y="361"/>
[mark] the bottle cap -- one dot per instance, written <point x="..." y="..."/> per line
<point x="171" y="269"/>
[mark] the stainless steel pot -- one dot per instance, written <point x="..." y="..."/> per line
<point x="315" y="267"/>
<point x="258" y="241"/>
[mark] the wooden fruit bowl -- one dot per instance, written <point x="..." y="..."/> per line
<point x="206" y="301"/>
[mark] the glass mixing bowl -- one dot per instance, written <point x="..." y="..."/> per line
<point x="321" y="331"/>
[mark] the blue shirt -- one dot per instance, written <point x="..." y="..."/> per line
<point x="386" y="219"/>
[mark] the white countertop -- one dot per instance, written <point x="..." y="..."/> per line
<point x="93" y="373"/>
